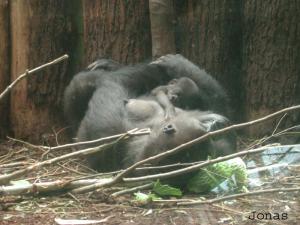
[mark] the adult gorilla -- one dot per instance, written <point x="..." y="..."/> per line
<point x="108" y="86"/>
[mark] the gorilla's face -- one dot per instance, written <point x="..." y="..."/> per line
<point x="184" y="127"/>
<point x="168" y="133"/>
<point x="177" y="130"/>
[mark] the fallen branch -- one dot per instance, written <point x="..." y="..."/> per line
<point x="14" y="164"/>
<point x="279" y="133"/>
<point x="131" y="190"/>
<point x="239" y="195"/>
<point x="193" y="167"/>
<point x="120" y="177"/>
<point x="133" y="132"/>
<point x="4" y="179"/>
<point x="46" y="187"/>
<point x="28" y="72"/>
<point x="169" y="166"/>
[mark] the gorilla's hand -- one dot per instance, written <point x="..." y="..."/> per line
<point x="175" y="64"/>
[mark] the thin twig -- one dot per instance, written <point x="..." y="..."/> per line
<point x="32" y="146"/>
<point x="28" y="72"/>
<point x="205" y="137"/>
<point x="120" y="177"/>
<point x="5" y="178"/>
<point x="131" y="190"/>
<point x="280" y="133"/>
<point x="169" y="166"/>
<point x="133" y="132"/>
<point x="240" y="195"/>
<point x="277" y="125"/>
<point x="264" y="139"/>
<point x="193" y="167"/>
<point x="285" y="131"/>
<point x="14" y="164"/>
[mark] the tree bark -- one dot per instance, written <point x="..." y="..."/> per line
<point x="162" y="27"/>
<point x="251" y="47"/>
<point x="39" y="32"/>
<point x="116" y="29"/>
<point x="271" y="56"/>
<point x="4" y="66"/>
<point x="208" y="32"/>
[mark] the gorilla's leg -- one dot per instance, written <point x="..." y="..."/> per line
<point x="104" y="117"/>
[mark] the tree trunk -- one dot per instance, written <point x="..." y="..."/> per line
<point x="251" y="47"/>
<point x="116" y="29"/>
<point x="208" y="32"/>
<point x="271" y="59"/>
<point x="162" y="27"/>
<point x="39" y="33"/>
<point x="4" y="66"/>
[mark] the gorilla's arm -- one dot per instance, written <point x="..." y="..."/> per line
<point x="81" y="88"/>
<point x="211" y="95"/>
<point x="77" y="95"/>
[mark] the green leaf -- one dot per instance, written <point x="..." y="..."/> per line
<point x="166" y="190"/>
<point x="213" y="175"/>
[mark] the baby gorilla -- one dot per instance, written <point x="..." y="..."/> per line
<point x="178" y="91"/>
<point x="167" y="96"/>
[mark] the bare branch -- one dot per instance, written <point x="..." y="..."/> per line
<point x="120" y="177"/>
<point x="28" y="72"/>
<point x="46" y="187"/>
<point x="133" y="132"/>
<point x="193" y="167"/>
<point x="240" y="195"/>
<point x="131" y="190"/>
<point x="7" y="177"/>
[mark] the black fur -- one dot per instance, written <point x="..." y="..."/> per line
<point x="82" y="87"/>
<point x="106" y="114"/>
<point x="211" y="95"/>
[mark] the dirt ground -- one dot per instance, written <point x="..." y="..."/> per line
<point x="283" y="207"/>
<point x="44" y="210"/>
